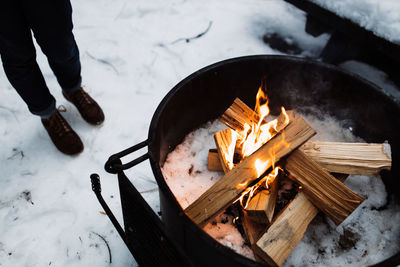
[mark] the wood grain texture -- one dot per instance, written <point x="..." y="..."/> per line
<point x="350" y="158"/>
<point x="225" y="141"/>
<point x="233" y="183"/>
<point x="253" y="231"/>
<point x="213" y="163"/>
<point x="262" y="206"/>
<point x="239" y="114"/>
<point x="327" y="193"/>
<point x="286" y="231"/>
<point x="298" y="207"/>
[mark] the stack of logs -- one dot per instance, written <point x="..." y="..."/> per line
<point x="311" y="164"/>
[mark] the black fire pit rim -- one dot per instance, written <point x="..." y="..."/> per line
<point x="155" y="120"/>
<point x="175" y="89"/>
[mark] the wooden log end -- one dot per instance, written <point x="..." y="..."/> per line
<point x="327" y="193"/>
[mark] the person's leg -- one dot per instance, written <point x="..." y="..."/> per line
<point x="19" y="59"/>
<point x="51" y="23"/>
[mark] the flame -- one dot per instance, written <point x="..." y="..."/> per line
<point x="270" y="178"/>
<point x="287" y="120"/>
<point x="264" y="183"/>
<point x="260" y="166"/>
<point x="260" y="132"/>
<point x="253" y="136"/>
<point x="242" y="184"/>
<point x="229" y="155"/>
<point x="261" y="109"/>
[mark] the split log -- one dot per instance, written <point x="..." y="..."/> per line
<point x="225" y="141"/>
<point x="284" y="240"/>
<point x="350" y="158"/>
<point x="324" y="191"/>
<point x="239" y="114"/>
<point x="335" y="157"/>
<point x="214" y="164"/>
<point x="286" y="231"/>
<point x="262" y="206"/>
<point x="253" y="231"/>
<point x="233" y="183"/>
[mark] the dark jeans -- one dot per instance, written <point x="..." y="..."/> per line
<point x="51" y="24"/>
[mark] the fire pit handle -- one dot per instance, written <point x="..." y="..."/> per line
<point x="114" y="165"/>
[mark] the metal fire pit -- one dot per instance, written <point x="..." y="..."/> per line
<point x="300" y="84"/>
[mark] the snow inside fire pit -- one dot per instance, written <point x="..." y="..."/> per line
<point x="367" y="236"/>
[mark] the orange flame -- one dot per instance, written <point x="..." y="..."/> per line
<point x="252" y="137"/>
<point x="259" y="133"/>
<point x="264" y="182"/>
<point x="231" y="150"/>
<point x="261" y="166"/>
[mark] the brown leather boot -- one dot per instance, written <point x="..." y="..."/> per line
<point x="64" y="138"/>
<point x="87" y="107"/>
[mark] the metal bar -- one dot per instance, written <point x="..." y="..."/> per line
<point x="96" y="187"/>
<point x="114" y="165"/>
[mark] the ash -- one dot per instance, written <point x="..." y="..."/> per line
<point x="369" y="235"/>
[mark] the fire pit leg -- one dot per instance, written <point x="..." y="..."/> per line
<point x="96" y="187"/>
<point x="144" y="233"/>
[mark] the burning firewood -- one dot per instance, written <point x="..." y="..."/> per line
<point x="233" y="183"/>
<point x="329" y="195"/>
<point x="261" y="207"/>
<point x="253" y="231"/>
<point x="286" y="231"/>
<point x="336" y="157"/>
<point x="225" y="141"/>
<point x="238" y="115"/>
<point x="262" y="144"/>
<point x="350" y="158"/>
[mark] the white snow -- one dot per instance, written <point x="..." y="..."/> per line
<point x="382" y="17"/>
<point x="129" y="64"/>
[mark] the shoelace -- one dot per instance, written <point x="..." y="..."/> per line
<point x="58" y="123"/>
<point x="83" y="98"/>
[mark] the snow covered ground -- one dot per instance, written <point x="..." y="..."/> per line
<point x="48" y="213"/>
